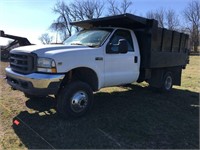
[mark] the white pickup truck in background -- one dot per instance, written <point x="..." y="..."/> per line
<point x="109" y="51"/>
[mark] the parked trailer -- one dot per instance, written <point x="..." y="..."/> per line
<point x="18" y="41"/>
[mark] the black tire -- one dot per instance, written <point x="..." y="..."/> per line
<point x="75" y="99"/>
<point x="167" y="82"/>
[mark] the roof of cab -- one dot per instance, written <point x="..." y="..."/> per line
<point x="124" y="20"/>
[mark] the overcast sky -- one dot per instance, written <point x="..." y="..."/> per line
<point x="31" y="18"/>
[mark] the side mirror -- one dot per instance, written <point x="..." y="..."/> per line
<point x="2" y="33"/>
<point x="112" y="48"/>
<point x="123" y="46"/>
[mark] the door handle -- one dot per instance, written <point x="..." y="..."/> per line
<point x="99" y="58"/>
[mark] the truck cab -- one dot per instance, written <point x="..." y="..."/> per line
<point x="118" y="48"/>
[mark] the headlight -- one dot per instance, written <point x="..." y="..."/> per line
<point x="46" y="65"/>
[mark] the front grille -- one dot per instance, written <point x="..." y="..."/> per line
<point x="22" y="62"/>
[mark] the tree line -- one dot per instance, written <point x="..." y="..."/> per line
<point x="78" y="10"/>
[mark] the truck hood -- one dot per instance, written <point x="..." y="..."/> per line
<point x="41" y="50"/>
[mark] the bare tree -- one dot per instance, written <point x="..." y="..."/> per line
<point x="150" y="14"/>
<point x="157" y="15"/>
<point x="166" y="18"/>
<point x="75" y="11"/>
<point x="62" y="23"/>
<point x="86" y="9"/>
<point x="92" y="8"/>
<point x="172" y="21"/>
<point x="45" y="38"/>
<point x="192" y="16"/>
<point x="160" y="14"/>
<point x="115" y="8"/>
<point x="125" y="5"/>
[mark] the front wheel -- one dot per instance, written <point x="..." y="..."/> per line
<point x="75" y="99"/>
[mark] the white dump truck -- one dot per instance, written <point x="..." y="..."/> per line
<point x="109" y="51"/>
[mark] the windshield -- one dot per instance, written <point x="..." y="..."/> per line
<point x="91" y="38"/>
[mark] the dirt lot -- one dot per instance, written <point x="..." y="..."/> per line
<point x="122" y="117"/>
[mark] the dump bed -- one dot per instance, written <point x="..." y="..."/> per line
<point x="159" y="47"/>
<point x="162" y="48"/>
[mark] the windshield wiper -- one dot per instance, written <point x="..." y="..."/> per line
<point x="92" y="45"/>
<point x="76" y="44"/>
<point x="89" y="45"/>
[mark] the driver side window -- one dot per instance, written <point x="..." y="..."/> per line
<point x="121" y="34"/>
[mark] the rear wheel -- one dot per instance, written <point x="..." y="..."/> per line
<point x="75" y="99"/>
<point x="167" y="82"/>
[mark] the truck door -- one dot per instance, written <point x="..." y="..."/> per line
<point x="121" y="68"/>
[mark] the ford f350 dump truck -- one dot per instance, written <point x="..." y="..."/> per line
<point x="109" y="51"/>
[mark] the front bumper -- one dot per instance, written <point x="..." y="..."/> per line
<point x="39" y="84"/>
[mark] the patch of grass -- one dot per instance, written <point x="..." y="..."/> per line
<point x="130" y="116"/>
<point x="191" y="75"/>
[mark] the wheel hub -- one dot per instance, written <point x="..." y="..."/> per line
<point x="79" y="101"/>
